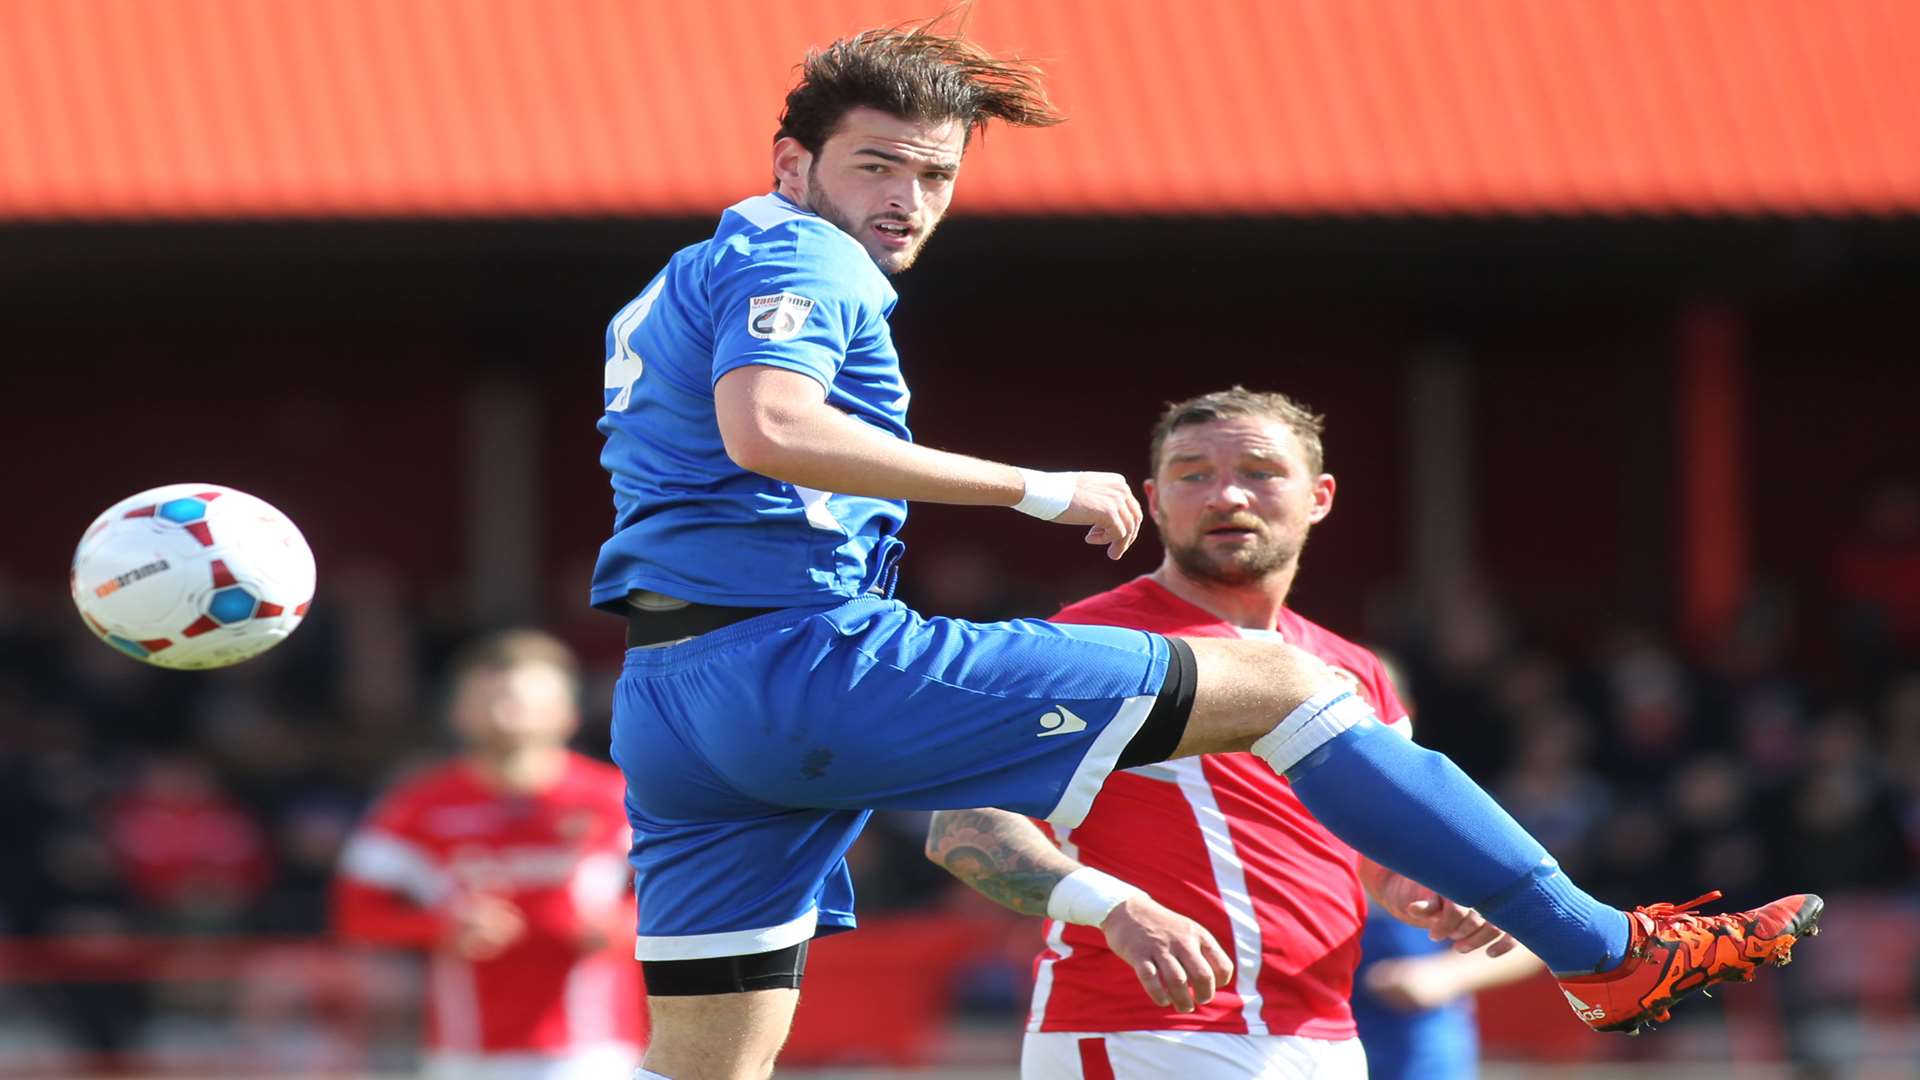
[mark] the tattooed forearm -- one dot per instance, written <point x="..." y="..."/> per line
<point x="1024" y="890"/>
<point x="1003" y="856"/>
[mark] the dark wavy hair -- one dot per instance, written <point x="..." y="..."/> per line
<point x="915" y="71"/>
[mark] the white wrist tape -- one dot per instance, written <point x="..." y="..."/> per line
<point x="1309" y="727"/>
<point x="1087" y="896"/>
<point x="1048" y="493"/>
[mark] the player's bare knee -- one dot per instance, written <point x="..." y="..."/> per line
<point x="1245" y="688"/>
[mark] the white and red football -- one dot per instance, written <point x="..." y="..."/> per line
<point x="192" y="576"/>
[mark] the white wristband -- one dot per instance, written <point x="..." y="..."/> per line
<point x="1048" y="493"/>
<point x="1087" y="897"/>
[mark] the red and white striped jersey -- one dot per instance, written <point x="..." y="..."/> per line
<point x="1222" y="839"/>
<point x="560" y="855"/>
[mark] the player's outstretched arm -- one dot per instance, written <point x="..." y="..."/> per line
<point x="1414" y="983"/>
<point x="367" y="914"/>
<point x="777" y="423"/>
<point x="476" y="927"/>
<point x="1006" y="858"/>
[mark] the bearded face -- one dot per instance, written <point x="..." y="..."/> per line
<point x="1234" y="499"/>
<point x="892" y="238"/>
<point x="1233" y="550"/>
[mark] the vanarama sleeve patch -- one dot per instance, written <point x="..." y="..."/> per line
<point x="777" y="317"/>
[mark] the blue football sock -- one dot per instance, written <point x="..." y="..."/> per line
<point x="1413" y="811"/>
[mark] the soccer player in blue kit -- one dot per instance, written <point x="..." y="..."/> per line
<point x="773" y="693"/>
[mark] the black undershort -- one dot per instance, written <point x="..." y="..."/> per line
<point x="777" y="970"/>
<point x="1160" y="732"/>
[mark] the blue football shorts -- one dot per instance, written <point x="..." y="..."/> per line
<point x="754" y="753"/>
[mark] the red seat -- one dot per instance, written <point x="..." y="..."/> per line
<point x="881" y="994"/>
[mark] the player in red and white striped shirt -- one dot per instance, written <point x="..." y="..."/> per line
<point x="1219" y="839"/>
<point x="508" y="866"/>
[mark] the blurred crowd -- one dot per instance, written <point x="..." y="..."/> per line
<point x="1782" y="756"/>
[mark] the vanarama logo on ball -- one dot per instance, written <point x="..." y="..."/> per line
<point x="115" y="584"/>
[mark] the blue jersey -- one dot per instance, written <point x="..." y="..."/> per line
<point x="1431" y="1044"/>
<point x="780" y="286"/>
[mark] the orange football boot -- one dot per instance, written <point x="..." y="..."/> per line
<point x="1671" y="953"/>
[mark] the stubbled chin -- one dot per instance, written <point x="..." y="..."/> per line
<point x="1233" y="566"/>
<point x="892" y="260"/>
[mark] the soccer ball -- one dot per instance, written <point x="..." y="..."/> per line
<point x="192" y="576"/>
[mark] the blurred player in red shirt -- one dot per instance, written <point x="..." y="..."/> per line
<point x="1219" y="839"/>
<point x="185" y="847"/>
<point x="508" y="866"/>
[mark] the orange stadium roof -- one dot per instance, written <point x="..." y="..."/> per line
<point x="131" y="109"/>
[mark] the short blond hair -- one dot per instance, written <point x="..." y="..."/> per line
<point x="505" y="650"/>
